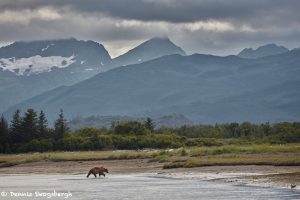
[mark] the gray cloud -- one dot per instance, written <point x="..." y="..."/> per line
<point x="169" y="10"/>
<point x="213" y="26"/>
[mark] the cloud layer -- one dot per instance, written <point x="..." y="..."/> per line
<point x="206" y="26"/>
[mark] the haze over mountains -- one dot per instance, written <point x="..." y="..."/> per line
<point x="154" y="79"/>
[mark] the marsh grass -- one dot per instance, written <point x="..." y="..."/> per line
<point x="160" y="158"/>
<point x="283" y="160"/>
<point x="183" y="157"/>
<point x="277" y="155"/>
<point x="14" y="159"/>
<point x="245" y="149"/>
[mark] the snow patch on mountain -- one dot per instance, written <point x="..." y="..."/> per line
<point x="35" y="64"/>
<point x="44" y="49"/>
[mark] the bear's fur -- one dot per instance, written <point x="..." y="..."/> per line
<point x="97" y="170"/>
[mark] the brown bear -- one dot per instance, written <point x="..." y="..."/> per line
<point x="97" y="170"/>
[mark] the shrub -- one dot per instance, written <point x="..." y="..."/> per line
<point x="37" y="146"/>
<point x="130" y="128"/>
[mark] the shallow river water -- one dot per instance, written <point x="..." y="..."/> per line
<point x="131" y="187"/>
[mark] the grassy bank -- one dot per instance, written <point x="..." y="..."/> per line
<point x="15" y="159"/>
<point x="286" y="159"/>
<point x="277" y="155"/>
<point x="283" y="155"/>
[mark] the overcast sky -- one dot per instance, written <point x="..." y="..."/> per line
<point x="219" y="27"/>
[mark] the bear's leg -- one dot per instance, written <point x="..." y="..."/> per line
<point x="88" y="174"/>
<point x="101" y="173"/>
<point x="95" y="175"/>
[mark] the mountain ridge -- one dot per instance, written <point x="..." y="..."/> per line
<point x="86" y="53"/>
<point x="28" y="68"/>
<point x="148" y="50"/>
<point x="262" y="51"/>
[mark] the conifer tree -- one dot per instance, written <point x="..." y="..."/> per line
<point x="4" y="139"/>
<point x="42" y="125"/>
<point x="149" y="124"/>
<point x="60" y="126"/>
<point x="29" y="125"/>
<point x="16" y="127"/>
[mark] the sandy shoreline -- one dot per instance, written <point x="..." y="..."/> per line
<point x="256" y="175"/>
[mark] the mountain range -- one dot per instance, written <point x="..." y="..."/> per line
<point x="157" y="79"/>
<point x="30" y="68"/>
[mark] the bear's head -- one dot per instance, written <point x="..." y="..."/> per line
<point x="105" y="170"/>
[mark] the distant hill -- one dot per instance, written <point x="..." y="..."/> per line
<point x="97" y="121"/>
<point x="170" y="121"/>
<point x="204" y="88"/>
<point x="148" y="50"/>
<point x="262" y="51"/>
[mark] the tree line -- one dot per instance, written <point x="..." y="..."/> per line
<point x="31" y="126"/>
<point x="30" y="133"/>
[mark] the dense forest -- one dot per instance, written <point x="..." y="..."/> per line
<point x="30" y="133"/>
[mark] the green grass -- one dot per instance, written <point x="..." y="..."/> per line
<point x="159" y="158"/>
